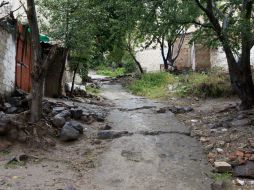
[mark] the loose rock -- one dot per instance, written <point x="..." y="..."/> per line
<point x="242" y="122"/>
<point x="58" y="121"/>
<point x="76" y="125"/>
<point x="246" y="170"/>
<point x="161" y="110"/>
<point x="222" y="167"/>
<point x="112" y="134"/>
<point x="65" y="114"/>
<point x="57" y="110"/>
<point x="68" y="133"/>
<point x="76" y="113"/>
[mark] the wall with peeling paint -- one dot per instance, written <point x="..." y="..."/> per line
<point x="7" y="61"/>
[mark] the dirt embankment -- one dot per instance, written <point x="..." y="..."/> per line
<point x="227" y="136"/>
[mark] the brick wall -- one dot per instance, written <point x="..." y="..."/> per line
<point x="7" y="61"/>
<point x="190" y="55"/>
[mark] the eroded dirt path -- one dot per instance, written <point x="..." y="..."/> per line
<point x="156" y="154"/>
<point x="160" y="155"/>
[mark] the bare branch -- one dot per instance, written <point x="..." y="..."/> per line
<point x="180" y="45"/>
<point x="3" y="3"/>
<point x="23" y="5"/>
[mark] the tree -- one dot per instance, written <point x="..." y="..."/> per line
<point x="39" y="66"/>
<point x="232" y="25"/>
<point x="164" y="23"/>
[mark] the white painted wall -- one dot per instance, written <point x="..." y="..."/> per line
<point x="7" y="62"/>
<point x="150" y="59"/>
<point x="218" y="58"/>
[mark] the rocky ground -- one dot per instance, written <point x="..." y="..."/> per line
<point x="57" y="153"/>
<point x="120" y="141"/>
<point x="227" y="136"/>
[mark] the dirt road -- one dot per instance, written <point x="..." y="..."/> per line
<point x="156" y="154"/>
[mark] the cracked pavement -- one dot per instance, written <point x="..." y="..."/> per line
<point x="159" y="155"/>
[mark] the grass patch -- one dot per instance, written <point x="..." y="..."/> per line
<point x="161" y="85"/>
<point x="152" y="85"/>
<point x="92" y="90"/>
<point x="110" y="72"/>
<point x="221" y="176"/>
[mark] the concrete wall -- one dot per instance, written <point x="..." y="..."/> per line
<point x="7" y="61"/>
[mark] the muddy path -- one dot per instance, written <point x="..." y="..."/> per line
<point x="160" y="155"/>
<point x="156" y="154"/>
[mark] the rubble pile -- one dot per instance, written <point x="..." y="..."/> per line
<point x="61" y="118"/>
<point x="227" y="136"/>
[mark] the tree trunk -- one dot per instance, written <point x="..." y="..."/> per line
<point x="39" y="66"/>
<point x="239" y="71"/>
<point x="60" y="82"/>
<point x="241" y="77"/>
<point x="37" y="73"/>
<point x="164" y="58"/>
<point x="73" y="78"/>
<point x="137" y="62"/>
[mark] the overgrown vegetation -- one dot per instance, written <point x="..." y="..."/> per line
<point x="161" y="85"/>
<point x="152" y="85"/>
<point x="107" y="71"/>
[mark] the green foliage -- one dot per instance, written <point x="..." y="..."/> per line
<point x="106" y="71"/>
<point x="156" y="85"/>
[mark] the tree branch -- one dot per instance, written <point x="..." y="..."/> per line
<point x="200" y="5"/>
<point x="3" y="3"/>
<point x="180" y="45"/>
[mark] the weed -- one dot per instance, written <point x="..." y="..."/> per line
<point x="14" y="164"/>
<point x="221" y="176"/>
<point x="93" y="91"/>
<point x="4" y="152"/>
